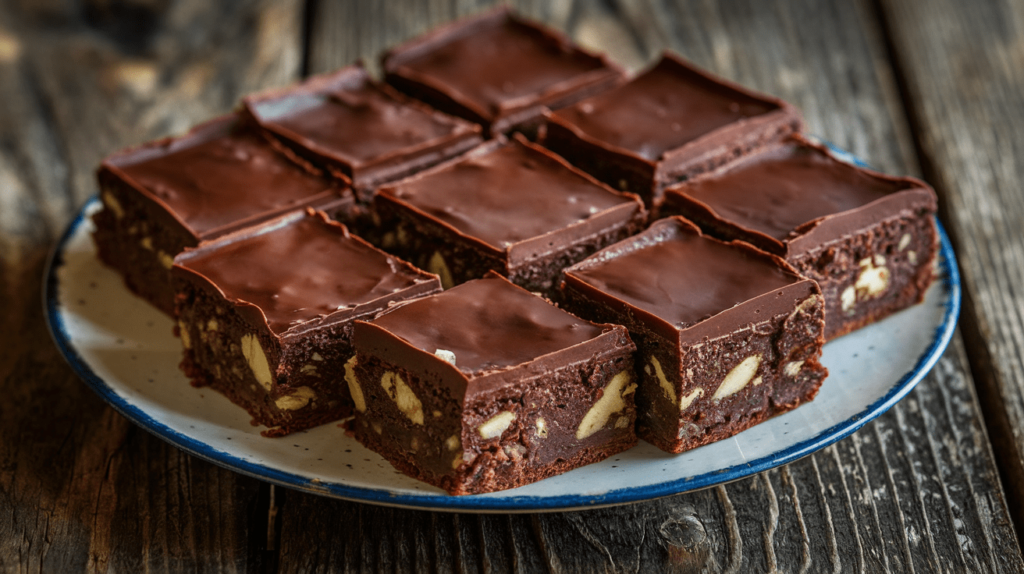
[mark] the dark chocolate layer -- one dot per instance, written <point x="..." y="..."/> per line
<point x="220" y="174"/>
<point x="794" y="196"/>
<point x="360" y="124"/>
<point x="497" y="64"/>
<point x="779" y="190"/>
<point x="679" y="279"/>
<point x="499" y="333"/>
<point x="510" y="194"/>
<point x="662" y="109"/>
<point x="687" y="278"/>
<point x="488" y="324"/>
<point x="301" y="269"/>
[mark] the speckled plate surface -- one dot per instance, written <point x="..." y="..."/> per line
<point x="124" y="349"/>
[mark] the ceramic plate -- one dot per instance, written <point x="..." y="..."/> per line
<point x="124" y="349"/>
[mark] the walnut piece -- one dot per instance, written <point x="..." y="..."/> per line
<point x="670" y="391"/>
<point x="404" y="397"/>
<point x="446" y="356"/>
<point x="739" y="377"/>
<point x="353" y="385"/>
<point x="612" y="401"/>
<point x="496" y="425"/>
<point x="438" y="267"/>
<point x="257" y="359"/>
<point x="688" y="399"/>
<point x="295" y="400"/>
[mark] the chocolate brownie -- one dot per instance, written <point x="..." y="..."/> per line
<point x="498" y="70"/>
<point x="667" y="124"/>
<point x="868" y="239"/>
<point x="265" y="315"/>
<point x="727" y="335"/>
<point x="174" y="193"/>
<point x="486" y="387"/>
<point x="346" y="122"/>
<point x="507" y="206"/>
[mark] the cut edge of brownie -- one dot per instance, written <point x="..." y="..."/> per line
<point x="495" y="429"/>
<point x="870" y="262"/>
<point x="869" y="276"/>
<point x="758" y="369"/>
<point x="287" y="381"/>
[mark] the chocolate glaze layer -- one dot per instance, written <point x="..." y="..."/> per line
<point x="676" y="279"/>
<point x="505" y="194"/>
<point x="489" y="324"/>
<point x="662" y="109"/>
<point x="795" y="195"/>
<point x="221" y="174"/>
<point x="499" y="332"/>
<point x="347" y="117"/>
<point x="303" y="268"/>
<point x="496" y="63"/>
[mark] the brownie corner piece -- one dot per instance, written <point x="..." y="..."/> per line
<point x="164" y="196"/>
<point x="668" y="123"/>
<point x="727" y="335"/>
<point x="486" y="387"/>
<point x="265" y="315"/>
<point x="868" y="239"/>
<point x="499" y="70"/>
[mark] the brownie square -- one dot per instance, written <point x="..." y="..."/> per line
<point x="868" y="239"/>
<point x="174" y="193"/>
<point x="486" y="387"/>
<point x="265" y="315"/>
<point x="498" y="70"/>
<point x="727" y="335"/>
<point x="346" y="122"/>
<point x="667" y="124"/>
<point x="507" y="206"/>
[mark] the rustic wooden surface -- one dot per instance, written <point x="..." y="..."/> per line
<point x="906" y="85"/>
<point x="962" y="69"/>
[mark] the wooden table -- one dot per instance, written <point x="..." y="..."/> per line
<point x="927" y="87"/>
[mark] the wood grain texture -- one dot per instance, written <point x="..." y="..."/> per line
<point x="962" y="68"/>
<point x="81" y="488"/>
<point x="915" y="491"/>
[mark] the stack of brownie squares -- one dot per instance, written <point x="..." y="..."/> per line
<point x="510" y="259"/>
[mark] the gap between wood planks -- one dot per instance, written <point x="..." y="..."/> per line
<point x="308" y="15"/>
<point x="997" y="424"/>
<point x="265" y="534"/>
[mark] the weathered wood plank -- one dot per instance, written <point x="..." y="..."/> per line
<point x="82" y="489"/>
<point x="916" y="490"/>
<point x="962" y="67"/>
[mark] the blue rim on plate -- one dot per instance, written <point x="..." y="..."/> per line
<point x="949" y="280"/>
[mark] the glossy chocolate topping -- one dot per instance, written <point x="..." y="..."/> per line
<point x="489" y="324"/>
<point x="351" y="118"/>
<point x="220" y="174"/>
<point x="509" y="194"/>
<point x="777" y="191"/>
<point x="303" y="269"/>
<point x="662" y="109"/>
<point x="680" y="276"/>
<point x="497" y="60"/>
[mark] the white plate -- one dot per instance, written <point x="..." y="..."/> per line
<point x="124" y="349"/>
